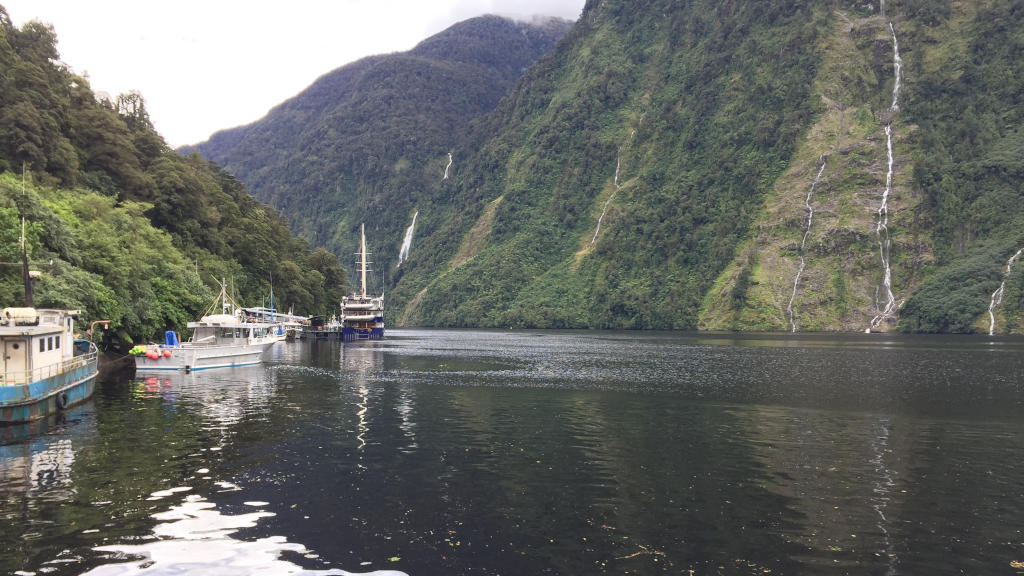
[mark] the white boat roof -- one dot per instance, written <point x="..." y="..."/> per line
<point x="225" y="321"/>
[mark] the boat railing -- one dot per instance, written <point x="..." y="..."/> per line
<point x="58" y="374"/>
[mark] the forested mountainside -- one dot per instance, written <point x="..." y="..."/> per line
<point x="121" y="226"/>
<point x="738" y="165"/>
<point x="371" y="140"/>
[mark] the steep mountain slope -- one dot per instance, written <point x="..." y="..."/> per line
<point x="667" y="124"/>
<point x="944" y="218"/>
<point x="659" y="171"/>
<point x="367" y="141"/>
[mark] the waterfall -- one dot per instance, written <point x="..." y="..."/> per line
<point x="607" y="202"/>
<point x="898" y="65"/>
<point x="803" y="243"/>
<point x="882" y="227"/>
<point x="618" y="159"/>
<point x="448" y="166"/>
<point x="997" y="296"/>
<point x="403" y="254"/>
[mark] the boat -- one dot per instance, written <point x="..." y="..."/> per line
<point x="45" y="369"/>
<point x="220" y="340"/>
<point x="362" y="316"/>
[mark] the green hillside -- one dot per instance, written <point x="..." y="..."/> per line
<point x="697" y="131"/>
<point x="120" y="225"/>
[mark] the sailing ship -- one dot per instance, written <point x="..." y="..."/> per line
<point x="362" y="316"/>
<point x="219" y="340"/>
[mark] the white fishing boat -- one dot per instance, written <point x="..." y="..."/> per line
<point x="362" y="316"/>
<point x="219" y="340"/>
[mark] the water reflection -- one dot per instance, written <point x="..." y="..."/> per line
<point x="36" y="459"/>
<point x="195" y="538"/>
<point x="468" y="452"/>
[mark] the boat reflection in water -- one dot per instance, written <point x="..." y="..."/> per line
<point x="36" y="458"/>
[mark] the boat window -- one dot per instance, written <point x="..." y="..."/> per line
<point x="49" y="343"/>
<point x="16" y="346"/>
<point x="56" y="344"/>
<point x="42" y="344"/>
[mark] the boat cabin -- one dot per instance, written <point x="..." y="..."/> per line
<point x="227" y="329"/>
<point x="35" y="343"/>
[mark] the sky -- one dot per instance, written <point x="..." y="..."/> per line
<point x="203" y="66"/>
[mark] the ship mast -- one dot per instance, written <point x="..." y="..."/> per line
<point x="362" y="256"/>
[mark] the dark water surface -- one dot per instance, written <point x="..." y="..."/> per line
<point x="522" y="453"/>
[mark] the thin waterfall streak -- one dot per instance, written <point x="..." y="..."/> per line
<point x="882" y="227"/>
<point x="403" y="254"/>
<point x="997" y="296"/>
<point x="448" y="166"/>
<point x="898" y="65"/>
<point x="803" y="244"/>
<point x="607" y="202"/>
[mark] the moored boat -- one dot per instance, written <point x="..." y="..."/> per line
<point x="45" y="369"/>
<point x="219" y="340"/>
<point x="362" y="316"/>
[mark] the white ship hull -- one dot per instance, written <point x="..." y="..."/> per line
<point x="198" y="357"/>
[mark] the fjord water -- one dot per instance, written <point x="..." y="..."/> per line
<point x="513" y="452"/>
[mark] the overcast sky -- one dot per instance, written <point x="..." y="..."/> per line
<point x="203" y="66"/>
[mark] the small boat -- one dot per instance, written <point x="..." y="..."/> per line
<point x="45" y="368"/>
<point x="362" y="316"/>
<point x="218" y="341"/>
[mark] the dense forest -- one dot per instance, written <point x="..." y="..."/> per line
<point x="121" y="226"/>
<point x="720" y="165"/>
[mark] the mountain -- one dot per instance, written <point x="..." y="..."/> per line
<point x="120" y="225"/>
<point x="656" y="171"/>
<point x="733" y="165"/>
<point x="369" y="140"/>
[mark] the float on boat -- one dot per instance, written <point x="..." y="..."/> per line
<point x="219" y="340"/>
<point x="362" y="316"/>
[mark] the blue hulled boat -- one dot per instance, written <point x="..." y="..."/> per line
<point x="44" y="368"/>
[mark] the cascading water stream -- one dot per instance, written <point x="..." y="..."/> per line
<point x="803" y="243"/>
<point x="607" y="202"/>
<point x="997" y="296"/>
<point x="882" y="228"/>
<point x="618" y="159"/>
<point x="448" y="166"/>
<point x="403" y="254"/>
